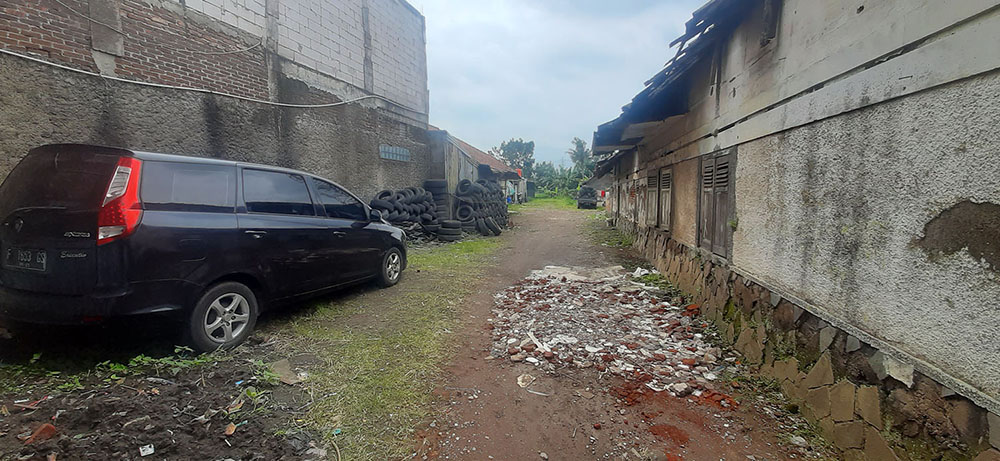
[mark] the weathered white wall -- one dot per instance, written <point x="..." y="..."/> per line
<point x="834" y="185"/>
<point x="832" y="213"/>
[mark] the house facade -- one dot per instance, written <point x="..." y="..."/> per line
<point x="255" y="80"/>
<point x="823" y="179"/>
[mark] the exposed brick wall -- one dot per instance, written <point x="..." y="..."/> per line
<point x="45" y="29"/>
<point x="160" y="46"/>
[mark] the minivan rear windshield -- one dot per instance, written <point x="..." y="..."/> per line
<point x="53" y="178"/>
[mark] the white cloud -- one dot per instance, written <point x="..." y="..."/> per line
<point x="544" y="71"/>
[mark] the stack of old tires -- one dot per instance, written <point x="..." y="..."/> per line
<point x="412" y="205"/>
<point x="439" y="189"/>
<point x="481" y="207"/>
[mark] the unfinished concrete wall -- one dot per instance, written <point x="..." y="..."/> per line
<point x="40" y="104"/>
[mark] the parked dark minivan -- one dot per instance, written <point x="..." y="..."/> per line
<point x="89" y="233"/>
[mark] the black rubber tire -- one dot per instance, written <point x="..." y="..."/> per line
<point x="392" y="216"/>
<point x="451" y="224"/>
<point x="384" y="280"/>
<point x="432" y="228"/>
<point x="450" y="231"/>
<point x="385" y="194"/>
<point x="379" y="203"/>
<point x="450" y="238"/>
<point x="195" y="331"/>
<point x="397" y="205"/>
<point x="481" y="227"/>
<point x="478" y="189"/>
<point x="464" y="187"/>
<point x="464" y="213"/>
<point x="427" y="217"/>
<point x="492" y="225"/>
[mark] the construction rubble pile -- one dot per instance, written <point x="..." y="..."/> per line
<point x="572" y="317"/>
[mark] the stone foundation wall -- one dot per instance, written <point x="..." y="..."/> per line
<point x="863" y="401"/>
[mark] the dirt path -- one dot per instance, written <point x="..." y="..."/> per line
<point x="484" y="414"/>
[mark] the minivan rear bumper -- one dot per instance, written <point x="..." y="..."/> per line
<point x="141" y="298"/>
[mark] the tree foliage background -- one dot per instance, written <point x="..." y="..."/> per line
<point x="517" y="153"/>
<point x="563" y="180"/>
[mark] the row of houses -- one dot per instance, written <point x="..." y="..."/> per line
<point x="334" y="87"/>
<point x="823" y="178"/>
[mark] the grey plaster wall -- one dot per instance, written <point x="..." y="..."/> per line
<point x="40" y="104"/>
<point x="835" y="213"/>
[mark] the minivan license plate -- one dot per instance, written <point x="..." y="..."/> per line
<point x="20" y="258"/>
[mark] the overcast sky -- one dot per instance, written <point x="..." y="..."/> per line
<point x="544" y="70"/>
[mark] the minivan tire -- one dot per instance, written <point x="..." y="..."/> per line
<point x="391" y="269"/>
<point x="198" y="333"/>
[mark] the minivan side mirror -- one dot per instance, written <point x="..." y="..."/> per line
<point x="375" y="216"/>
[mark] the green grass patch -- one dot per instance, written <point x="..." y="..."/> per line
<point x="563" y="202"/>
<point x="382" y="351"/>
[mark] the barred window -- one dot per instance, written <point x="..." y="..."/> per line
<point x="394" y="153"/>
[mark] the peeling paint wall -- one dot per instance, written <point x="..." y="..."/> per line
<point x="867" y="183"/>
<point x="835" y="212"/>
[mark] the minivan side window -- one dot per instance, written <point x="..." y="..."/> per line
<point x="171" y="186"/>
<point x="276" y="192"/>
<point x="338" y="203"/>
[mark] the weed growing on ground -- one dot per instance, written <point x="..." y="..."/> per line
<point x="16" y="378"/>
<point x="380" y="367"/>
<point x="657" y="280"/>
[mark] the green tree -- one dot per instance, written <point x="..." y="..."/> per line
<point x="582" y="160"/>
<point x="517" y="153"/>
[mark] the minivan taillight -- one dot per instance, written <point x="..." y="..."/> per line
<point x="121" y="210"/>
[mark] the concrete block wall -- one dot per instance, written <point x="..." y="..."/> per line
<point x="398" y="53"/>
<point x="248" y="15"/>
<point x="324" y="35"/>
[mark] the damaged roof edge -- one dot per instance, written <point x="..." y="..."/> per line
<point x="666" y="93"/>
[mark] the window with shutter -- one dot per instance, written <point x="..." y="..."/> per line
<point x="721" y="189"/>
<point x="651" y="182"/>
<point x="706" y="208"/>
<point x="716" y="201"/>
<point x="666" y="191"/>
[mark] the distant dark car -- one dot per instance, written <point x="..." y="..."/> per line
<point x="586" y="197"/>
<point x="90" y="233"/>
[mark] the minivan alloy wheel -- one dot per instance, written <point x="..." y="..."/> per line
<point x="393" y="266"/>
<point x="227" y="317"/>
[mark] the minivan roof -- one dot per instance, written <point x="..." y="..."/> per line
<point x="153" y="156"/>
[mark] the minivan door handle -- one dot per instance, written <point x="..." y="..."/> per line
<point x="256" y="233"/>
<point x="339" y="233"/>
